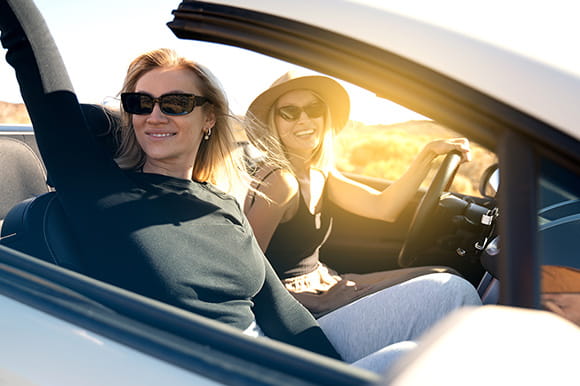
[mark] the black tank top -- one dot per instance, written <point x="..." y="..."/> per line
<point x="295" y="244"/>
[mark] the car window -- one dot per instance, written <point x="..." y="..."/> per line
<point x="559" y="228"/>
<point x="558" y="215"/>
<point x="382" y="141"/>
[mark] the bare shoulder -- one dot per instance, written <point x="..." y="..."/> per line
<point x="279" y="185"/>
<point x="336" y="177"/>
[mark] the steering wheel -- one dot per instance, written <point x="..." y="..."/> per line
<point x="426" y="208"/>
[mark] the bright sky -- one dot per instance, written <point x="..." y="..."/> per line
<point x="98" y="39"/>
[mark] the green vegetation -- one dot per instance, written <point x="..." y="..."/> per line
<point x="386" y="151"/>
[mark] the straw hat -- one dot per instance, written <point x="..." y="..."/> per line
<point x="329" y="90"/>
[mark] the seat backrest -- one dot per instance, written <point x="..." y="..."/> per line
<point x="34" y="221"/>
<point x="22" y="174"/>
<point x="38" y="227"/>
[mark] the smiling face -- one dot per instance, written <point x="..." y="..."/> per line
<point x="170" y="142"/>
<point x="304" y="135"/>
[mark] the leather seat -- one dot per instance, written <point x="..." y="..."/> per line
<point x="35" y="222"/>
<point x="38" y="227"/>
<point x="22" y="174"/>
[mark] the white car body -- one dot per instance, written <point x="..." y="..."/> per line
<point x="66" y="354"/>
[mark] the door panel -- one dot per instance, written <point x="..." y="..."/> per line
<point x="359" y="244"/>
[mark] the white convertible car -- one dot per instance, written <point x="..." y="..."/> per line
<point x="519" y="247"/>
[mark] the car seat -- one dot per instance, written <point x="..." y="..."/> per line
<point x="38" y="227"/>
<point x="22" y="174"/>
<point x="36" y="223"/>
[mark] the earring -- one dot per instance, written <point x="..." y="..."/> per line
<point x="207" y="134"/>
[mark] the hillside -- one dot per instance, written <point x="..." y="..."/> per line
<point x="386" y="151"/>
<point x="13" y="113"/>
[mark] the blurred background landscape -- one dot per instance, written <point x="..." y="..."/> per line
<point x="13" y="113"/>
<point x="386" y="151"/>
<point x="383" y="151"/>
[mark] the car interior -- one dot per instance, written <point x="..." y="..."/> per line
<point x="22" y="174"/>
<point x="36" y="225"/>
<point x="450" y="229"/>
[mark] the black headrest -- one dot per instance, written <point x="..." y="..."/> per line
<point x="39" y="227"/>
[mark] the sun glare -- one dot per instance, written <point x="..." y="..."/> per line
<point x="369" y="109"/>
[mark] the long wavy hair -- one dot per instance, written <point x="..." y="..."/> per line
<point x="265" y="137"/>
<point x="217" y="161"/>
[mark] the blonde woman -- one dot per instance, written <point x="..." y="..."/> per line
<point x="153" y="222"/>
<point x="294" y="122"/>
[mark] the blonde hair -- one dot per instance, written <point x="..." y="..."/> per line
<point x="265" y="137"/>
<point x="217" y="161"/>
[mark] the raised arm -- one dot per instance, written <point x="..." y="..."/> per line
<point x="73" y="159"/>
<point x="388" y="204"/>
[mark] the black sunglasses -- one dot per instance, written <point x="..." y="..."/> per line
<point x="291" y="113"/>
<point x="170" y="104"/>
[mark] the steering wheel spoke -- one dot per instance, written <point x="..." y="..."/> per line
<point x="426" y="208"/>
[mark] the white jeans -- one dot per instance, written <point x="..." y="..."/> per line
<point x="376" y="330"/>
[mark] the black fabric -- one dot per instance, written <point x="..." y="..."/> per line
<point x="102" y="122"/>
<point x="174" y="240"/>
<point x="295" y="244"/>
<point x="22" y="174"/>
<point x="38" y="227"/>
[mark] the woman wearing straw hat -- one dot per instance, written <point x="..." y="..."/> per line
<point x="293" y="122"/>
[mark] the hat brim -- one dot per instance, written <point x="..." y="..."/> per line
<point x="331" y="92"/>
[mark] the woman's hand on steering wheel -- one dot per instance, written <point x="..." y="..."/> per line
<point x="445" y="146"/>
